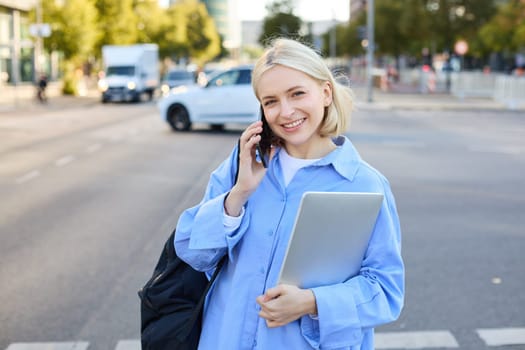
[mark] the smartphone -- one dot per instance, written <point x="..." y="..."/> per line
<point x="263" y="147"/>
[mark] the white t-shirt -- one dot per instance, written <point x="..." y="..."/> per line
<point x="291" y="165"/>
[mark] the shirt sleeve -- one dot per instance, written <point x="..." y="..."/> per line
<point x="372" y="298"/>
<point x="202" y="237"/>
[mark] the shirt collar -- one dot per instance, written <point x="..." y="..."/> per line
<point x="345" y="159"/>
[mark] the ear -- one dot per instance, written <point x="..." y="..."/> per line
<point x="327" y="93"/>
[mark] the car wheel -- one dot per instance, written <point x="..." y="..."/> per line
<point x="179" y="118"/>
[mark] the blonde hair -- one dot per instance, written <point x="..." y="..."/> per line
<point x="293" y="54"/>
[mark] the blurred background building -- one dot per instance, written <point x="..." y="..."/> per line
<point x="16" y="44"/>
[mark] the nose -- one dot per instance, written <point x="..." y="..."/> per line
<point x="287" y="109"/>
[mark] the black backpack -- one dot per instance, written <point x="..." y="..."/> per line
<point x="171" y="303"/>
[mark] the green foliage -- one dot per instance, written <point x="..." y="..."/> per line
<point x="81" y="27"/>
<point x="74" y="33"/>
<point x="73" y="28"/>
<point x="190" y="33"/>
<point x="151" y="21"/>
<point x="281" y="22"/>
<point x="408" y="26"/>
<point x="117" y="22"/>
<point x="505" y="32"/>
<point x="348" y="40"/>
<point x="389" y="36"/>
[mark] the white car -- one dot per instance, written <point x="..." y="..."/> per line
<point x="226" y="98"/>
<point x="177" y="77"/>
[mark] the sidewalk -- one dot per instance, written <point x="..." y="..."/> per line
<point x="414" y="100"/>
<point x="21" y="100"/>
<point x="15" y="100"/>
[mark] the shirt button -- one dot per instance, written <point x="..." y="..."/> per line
<point x="270" y="233"/>
<point x="261" y="270"/>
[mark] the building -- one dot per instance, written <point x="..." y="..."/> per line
<point x="356" y="7"/>
<point x="16" y="44"/>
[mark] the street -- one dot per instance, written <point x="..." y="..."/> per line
<point x="90" y="193"/>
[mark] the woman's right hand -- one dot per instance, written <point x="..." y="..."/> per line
<point x="251" y="172"/>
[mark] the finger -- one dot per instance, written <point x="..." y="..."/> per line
<point x="274" y="324"/>
<point x="273" y="293"/>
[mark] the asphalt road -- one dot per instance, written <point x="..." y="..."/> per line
<point x="89" y="194"/>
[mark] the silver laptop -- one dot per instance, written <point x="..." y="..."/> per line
<point x="329" y="238"/>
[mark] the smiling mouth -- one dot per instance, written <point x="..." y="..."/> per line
<point x="294" y="124"/>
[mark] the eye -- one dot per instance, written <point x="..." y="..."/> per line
<point x="268" y="102"/>
<point x="298" y="93"/>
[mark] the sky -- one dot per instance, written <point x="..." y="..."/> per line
<point x="308" y="10"/>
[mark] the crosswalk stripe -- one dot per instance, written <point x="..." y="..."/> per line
<point x="128" y="345"/>
<point x="415" y="340"/>
<point x="502" y="336"/>
<point x="79" y="345"/>
<point x="383" y="340"/>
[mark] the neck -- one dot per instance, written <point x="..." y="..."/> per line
<point x="319" y="149"/>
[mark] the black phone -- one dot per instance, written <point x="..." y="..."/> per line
<point x="263" y="147"/>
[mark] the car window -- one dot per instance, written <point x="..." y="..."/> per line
<point x="225" y="79"/>
<point x="120" y="70"/>
<point x="245" y="77"/>
<point x="179" y="75"/>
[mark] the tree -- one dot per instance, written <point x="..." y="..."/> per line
<point x="117" y="23"/>
<point x="280" y="22"/>
<point x="505" y="32"/>
<point x="190" y="34"/>
<point x="414" y="27"/>
<point x="451" y="20"/>
<point x="74" y="33"/>
<point x="151" y="21"/>
<point x="389" y="37"/>
<point x="408" y="26"/>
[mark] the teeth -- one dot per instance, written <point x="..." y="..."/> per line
<point x="294" y="124"/>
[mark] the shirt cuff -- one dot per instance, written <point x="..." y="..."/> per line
<point x="231" y="223"/>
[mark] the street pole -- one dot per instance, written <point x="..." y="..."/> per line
<point x="38" y="46"/>
<point x="370" y="48"/>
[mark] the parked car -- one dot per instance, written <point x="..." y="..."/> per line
<point x="226" y="98"/>
<point x="177" y="77"/>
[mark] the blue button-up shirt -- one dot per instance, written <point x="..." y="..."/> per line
<point x="347" y="312"/>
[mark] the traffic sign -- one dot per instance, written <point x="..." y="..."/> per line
<point x="461" y="47"/>
<point x="40" y="30"/>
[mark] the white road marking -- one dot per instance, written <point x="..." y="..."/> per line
<point x="129" y="345"/>
<point x="49" y="346"/>
<point x="415" y="340"/>
<point x="441" y="339"/>
<point x="28" y="177"/>
<point x="502" y="336"/>
<point x="64" y="160"/>
<point x="93" y="148"/>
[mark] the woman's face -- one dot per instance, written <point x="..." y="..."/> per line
<point x="294" y="105"/>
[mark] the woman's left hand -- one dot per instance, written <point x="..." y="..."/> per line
<point x="286" y="303"/>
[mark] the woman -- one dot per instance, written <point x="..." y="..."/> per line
<point x="251" y="220"/>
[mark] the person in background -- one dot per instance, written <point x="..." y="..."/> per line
<point x="41" y="88"/>
<point x="250" y="220"/>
